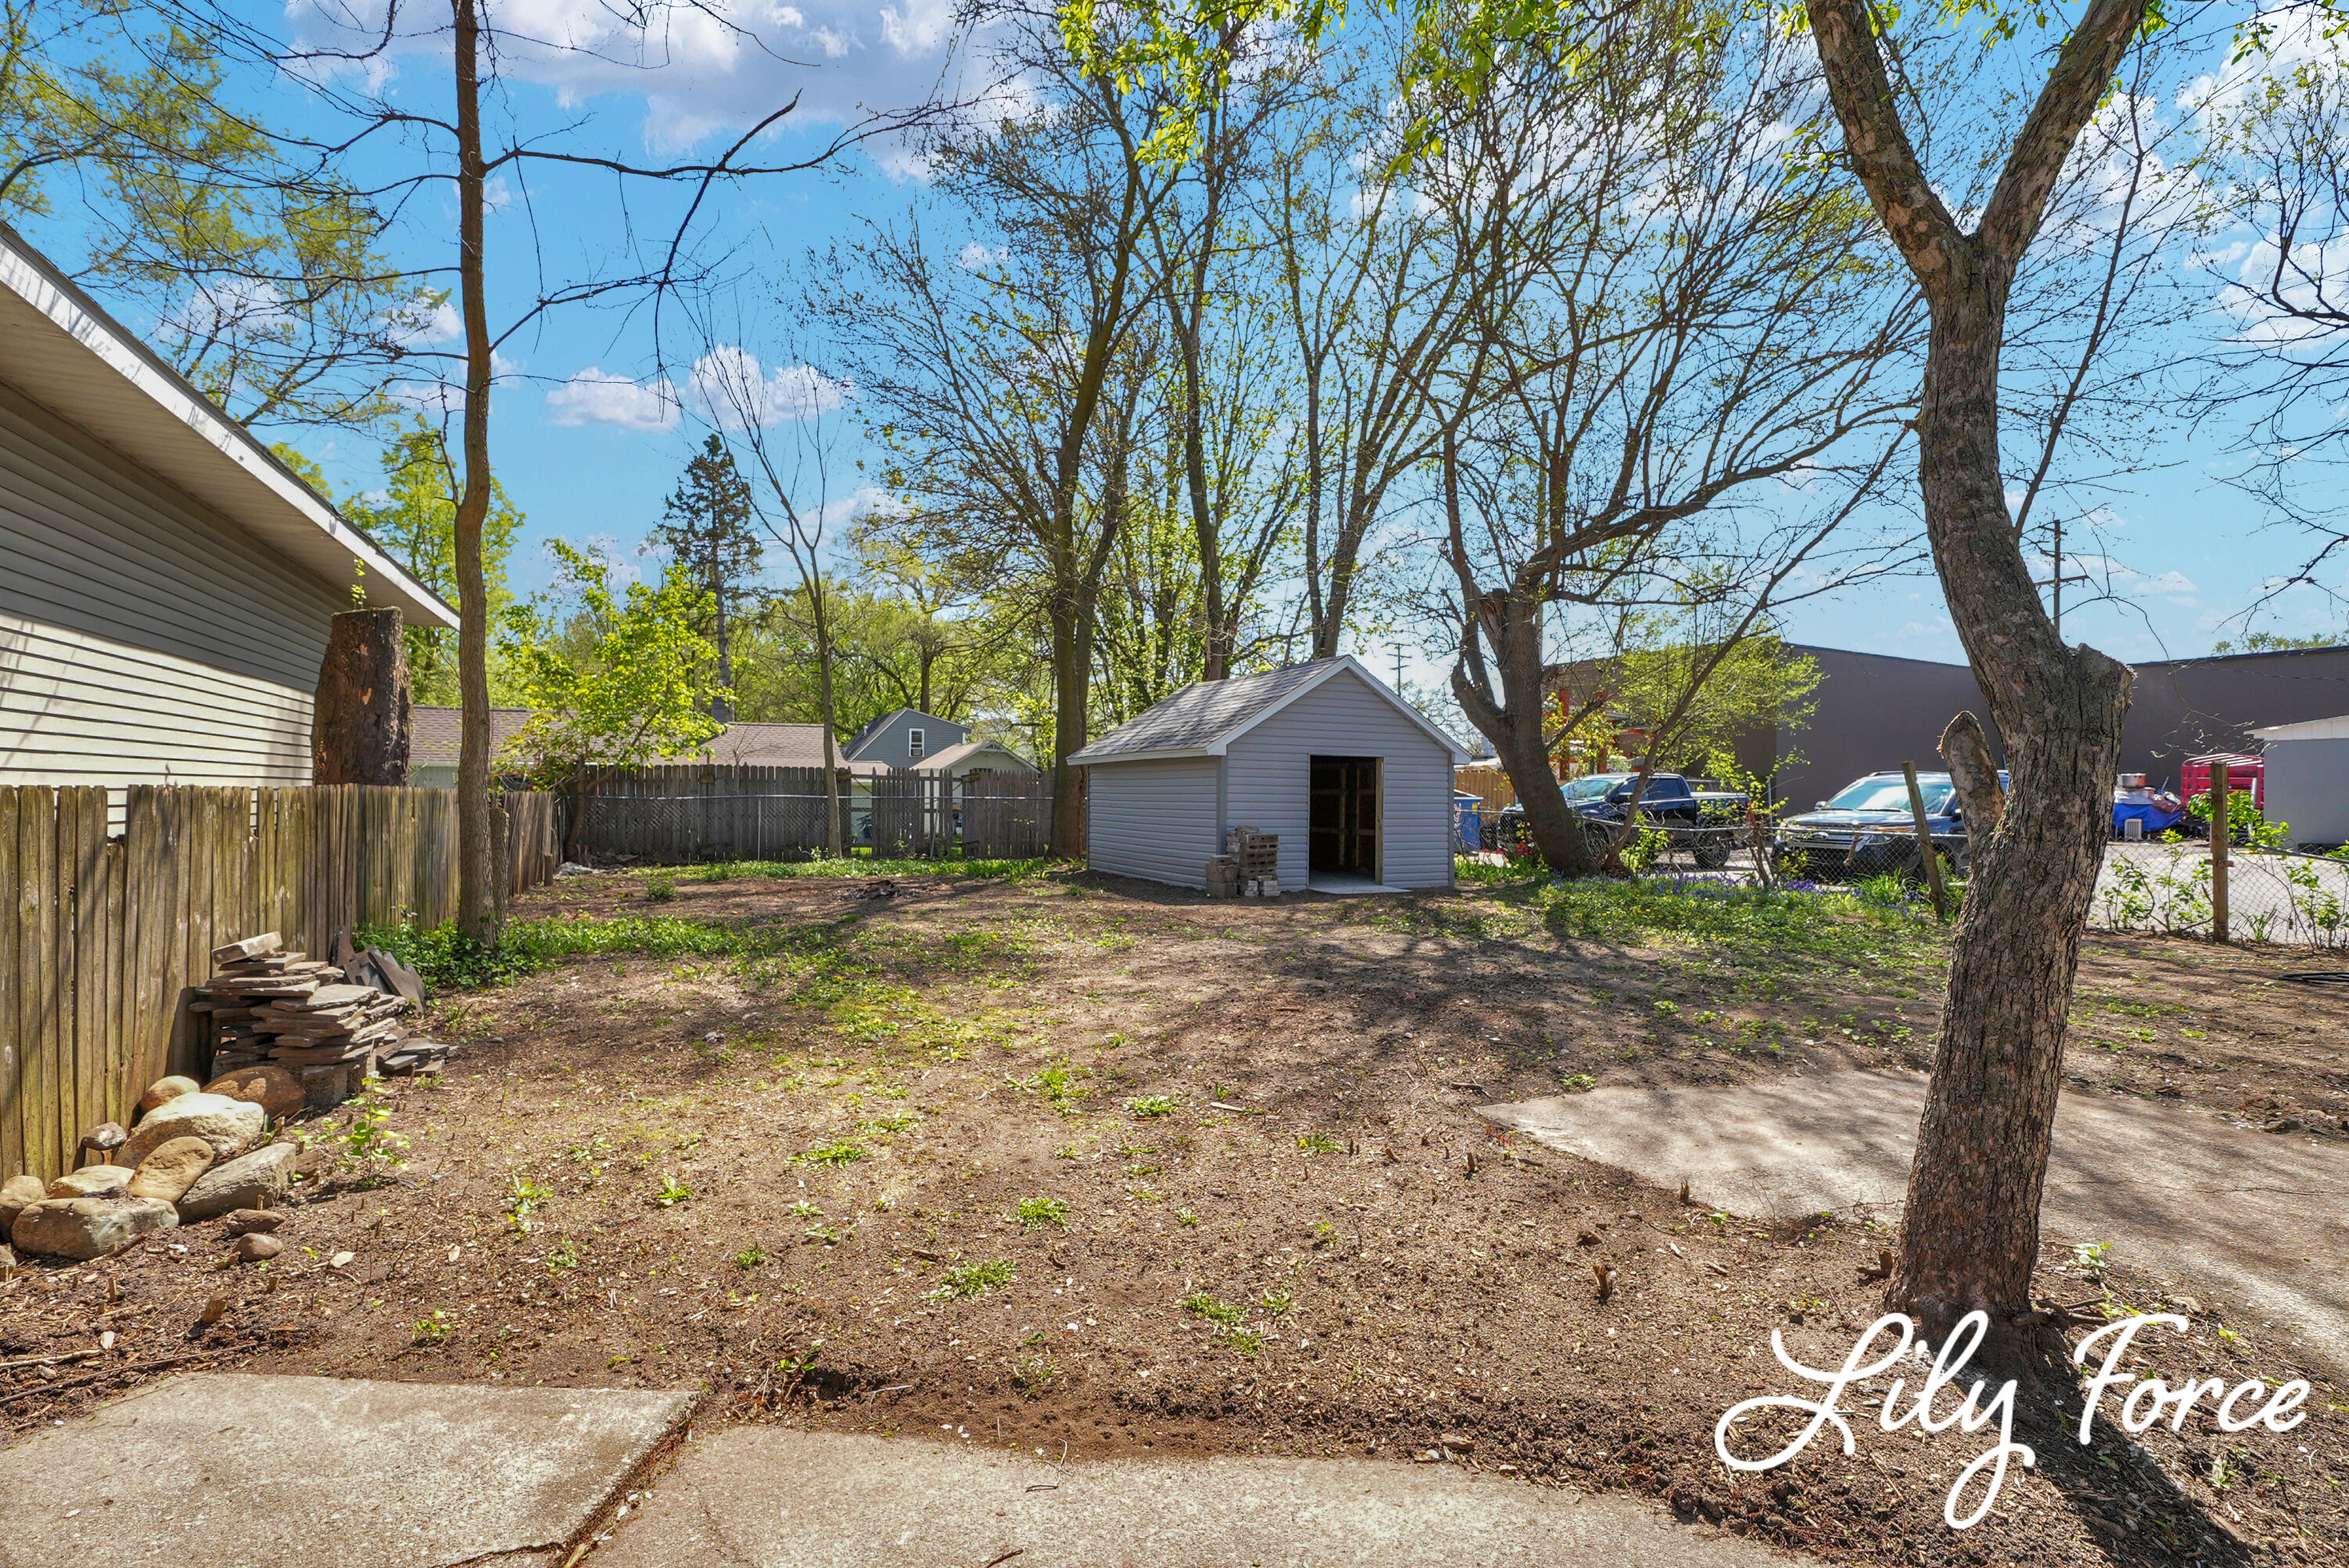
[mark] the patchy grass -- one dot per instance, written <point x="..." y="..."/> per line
<point x="1373" y="1265"/>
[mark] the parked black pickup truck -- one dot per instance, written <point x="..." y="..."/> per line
<point x="1706" y="823"/>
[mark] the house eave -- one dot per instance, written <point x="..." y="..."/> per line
<point x="68" y="355"/>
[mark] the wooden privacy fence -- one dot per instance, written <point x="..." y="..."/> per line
<point x="680" y="813"/>
<point x="1489" y="785"/>
<point x="100" y="937"/>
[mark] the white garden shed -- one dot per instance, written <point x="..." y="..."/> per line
<point x="2307" y="785"/>
<point x="1356" y="783"/>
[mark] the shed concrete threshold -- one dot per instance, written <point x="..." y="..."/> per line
<point x="770" y="1497"/>
<point x="232" y="1470"/>
<point x="2258" y="1221"/>
<point x="1341" y="884"/>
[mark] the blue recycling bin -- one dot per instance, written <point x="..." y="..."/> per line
<point x="1468" y="826"/>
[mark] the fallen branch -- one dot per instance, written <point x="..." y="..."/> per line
<point x="48" y="1360"/>
<point x="111" y="1372"/>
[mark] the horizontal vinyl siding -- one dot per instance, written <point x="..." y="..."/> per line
<point x="1271" y="778"/>
<point x="142" y="638"/>
<point x="1151" y="820"/>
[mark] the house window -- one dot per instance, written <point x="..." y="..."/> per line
<point x="914" y="744"/>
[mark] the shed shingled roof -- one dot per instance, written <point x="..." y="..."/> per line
<point x="1201" y="717"/>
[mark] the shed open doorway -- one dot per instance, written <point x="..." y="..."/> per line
<point x="1342" y="825"/>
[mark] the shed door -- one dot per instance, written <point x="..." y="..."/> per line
<point x="1342" y="835"/>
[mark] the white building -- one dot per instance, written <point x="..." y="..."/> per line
<point x="1356" y="783"/>
<point x="2308" y="779"/>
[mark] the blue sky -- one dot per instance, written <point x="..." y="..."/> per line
<point x="592" y="456"/>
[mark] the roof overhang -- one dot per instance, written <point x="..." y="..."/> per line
<point x="1087" y="758"/>
<point x="68" y="355"/>
<point x="2307" y="729"/>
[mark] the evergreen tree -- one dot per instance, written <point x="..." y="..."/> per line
<point x="709" y="534"/>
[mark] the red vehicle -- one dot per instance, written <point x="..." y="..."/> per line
<point x="2243" y="773"/>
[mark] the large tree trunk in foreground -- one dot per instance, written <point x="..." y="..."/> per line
<point x="476" y="900"/>
<point x="1971" y="1235"/>
<point x="360" y="726"/>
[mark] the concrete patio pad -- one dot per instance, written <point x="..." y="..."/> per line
<point x="766" y="1497"/>
<point x="230" y="1471"/>
<point x="2258" y="1221"/>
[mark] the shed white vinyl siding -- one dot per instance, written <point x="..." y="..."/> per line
<point x="1268" y="781"/>
<point x="144" y="639"/>
<point x="1152" y="820"/>
<point x="2308" y="789"/>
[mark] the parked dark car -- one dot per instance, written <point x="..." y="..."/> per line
<point x="1705" y="822"/>
<point x="1870" y="829"/>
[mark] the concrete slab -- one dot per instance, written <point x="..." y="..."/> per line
<point x="2259" y="1221"/>
<point x="767" y="1497"/>
<point x="229" y="1470"/>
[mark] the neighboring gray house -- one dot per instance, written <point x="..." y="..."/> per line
<point x="2308" y="779"/>
<point x="904" y="739"/>
<point x="167" y="586"/>
<point x="972" y="757"/>
<point x="1356" y="782"/>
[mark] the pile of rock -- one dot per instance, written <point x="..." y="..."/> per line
<point x="193" y="1154"/>
<point x="329" y="1022"/>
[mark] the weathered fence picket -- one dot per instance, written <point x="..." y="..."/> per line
<point x="682" y="813"/>
<point x="100" y="937"/>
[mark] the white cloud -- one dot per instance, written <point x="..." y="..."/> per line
<point x="697" y="69"/>
<point x="730" y="389"/>
<point x="727" y="386"/>
<point x="2168" y="583"/>
<point x="597" y="396"/>
<point x="976" y="258"/>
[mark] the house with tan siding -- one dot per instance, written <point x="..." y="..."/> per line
<point x="166" y="584"/>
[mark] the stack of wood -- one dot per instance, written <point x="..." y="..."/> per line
<point x="312" y="1016"/>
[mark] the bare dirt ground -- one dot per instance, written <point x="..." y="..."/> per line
<point x="1074" y="1161"/>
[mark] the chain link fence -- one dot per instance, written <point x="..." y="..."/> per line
<point x="2284" y="897"/>
<point x="2273" y="895"/>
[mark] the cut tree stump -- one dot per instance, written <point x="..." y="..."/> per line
<point x="360" y="732"/>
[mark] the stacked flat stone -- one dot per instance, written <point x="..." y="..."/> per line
<point x="271" y="1005"/>
<point x="329" y="1023"/>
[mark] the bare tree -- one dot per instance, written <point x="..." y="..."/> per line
<point x="1971" y="1235"/>
<point x="1373" y="307"/>
<point x="795" y="501"/>
<point x="989" y="374"/>
<point x="1212" y="272"/>
<point x="2276" y="130"/>
<point x="456" y="152"/>
<point x="1667" y="313"/>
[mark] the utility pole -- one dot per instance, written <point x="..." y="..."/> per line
<point x="2057" y="579"/>
<point x="1398" y="653"/>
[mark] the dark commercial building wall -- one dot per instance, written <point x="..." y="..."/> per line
<point x="1874" y="712"/>
<point x="2186" y="708"/>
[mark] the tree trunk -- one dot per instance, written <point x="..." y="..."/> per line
<point x="721" y="708"/>
<point x="1512" y="720"/>
<point x="1970" y="1237"/>
<point x="360" y="726"/>
<point x="1068" y="688"/>
<point x="476" y="913"/>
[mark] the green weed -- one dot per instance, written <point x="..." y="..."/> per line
<point x="968" y="1280"/>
